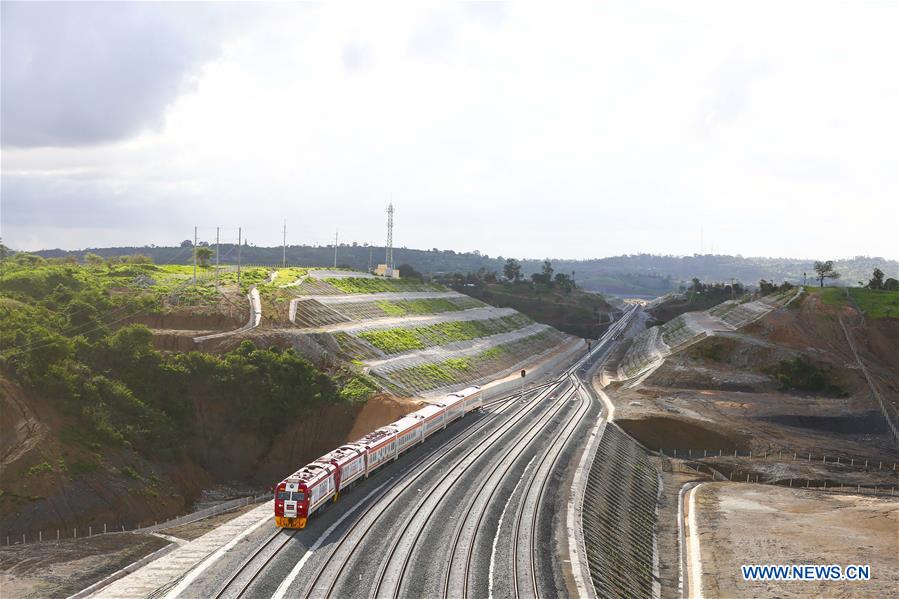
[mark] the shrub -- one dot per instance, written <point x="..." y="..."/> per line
<point x="39" y="469"/>
<point x="129" y="472"/>
<point x="800" y="374"/>
<point x="357" y="388"/>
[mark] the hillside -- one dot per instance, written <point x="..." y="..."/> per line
<point x="638" y="275"/>
<point x="127" y="389"/>
<point x="577" y="312"/>
<point x="100" y="427"/>
<point x="410" y="337"/>
<point x="775" y="375"/>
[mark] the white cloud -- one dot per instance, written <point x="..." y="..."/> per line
<point x="580" y="131"/>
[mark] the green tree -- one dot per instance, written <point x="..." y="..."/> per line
<point x="876" y="281"/>
<point x="512" y="270"/>
<point x="564" y="281"/>
<point x="93" y="259"/>
<point x="407" y="272"/>
<point x="825" y="270"/>
<point x="203" y="255"/>
<point x="547" y="269"/>
<point x="137" y="259"/>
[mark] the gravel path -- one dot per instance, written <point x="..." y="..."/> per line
<point x="405" y="322"/>
<point x="340" y="274"/>
<point x="387" y="296"/>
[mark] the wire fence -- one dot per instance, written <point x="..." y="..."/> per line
<point x="90" y="531"/>
<point x="867" y="464"/>
<point x="823" y="485"/>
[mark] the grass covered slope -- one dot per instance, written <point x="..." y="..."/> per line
<point x="397" y="340"/>
<point x="874" y="303"/>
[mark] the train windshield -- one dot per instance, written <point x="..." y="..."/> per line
<point x="283" y="495"/>
<point x="299" y="496"/>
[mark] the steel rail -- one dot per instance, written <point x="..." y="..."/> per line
<point x="555" y="449"/>
<point x="249" y="560"/>
<point x="526" y="436"/>
<point x="518" y="448"/>
<point x="570" y="371"/>
<point x="417" y="472"/>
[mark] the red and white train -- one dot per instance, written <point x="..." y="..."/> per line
<point x="299" y="495"/>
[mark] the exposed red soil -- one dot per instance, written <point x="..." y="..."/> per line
<point x="82" y="485"/>
<point x="722" y="385"/>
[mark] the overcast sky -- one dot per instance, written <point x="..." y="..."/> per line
<point x="530" y="130"/>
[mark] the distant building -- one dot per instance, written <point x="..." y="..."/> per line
<point x="383" y="270"/>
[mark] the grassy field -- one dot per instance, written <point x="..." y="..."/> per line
<point x="872" y="302"/>
<point x="876" y="304"/>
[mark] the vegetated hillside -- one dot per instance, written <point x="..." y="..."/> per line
<point x="786" y="383"/>
<point x="100" y="427"/>
<point x="698" y="296"/>
<point x="580" y="313"/>
<point x="638" y="275"/>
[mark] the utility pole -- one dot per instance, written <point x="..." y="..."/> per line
<point x="284" y="247"/>
<point x="369" y="256"/>
<point x="195" y="256"/>
<point x="733" y="293"/>
<point x="336" y="231"/>
<point x="700" y="241"/>
<point x="238" y="257"/>
<point x="216" y="257"/>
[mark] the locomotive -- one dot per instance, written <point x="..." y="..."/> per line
<point x="299" y="495"/>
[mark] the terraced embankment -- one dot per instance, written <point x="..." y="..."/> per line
<point x="649" y="350"/>
<point x="416" y="338"/>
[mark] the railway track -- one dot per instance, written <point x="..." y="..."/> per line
<point x="437" y="494"/>
<point x="364" y="523"/>
<point x="485" y="500"/>
<point x="285" y="537"/>
<point x="494" y="484"/>
<point x="391" y="578"/>
<point x="541" y="477"/>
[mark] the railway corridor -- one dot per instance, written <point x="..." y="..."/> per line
<point x="478" y="510"/>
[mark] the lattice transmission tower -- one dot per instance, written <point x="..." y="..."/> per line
<point x="389" y="257"/>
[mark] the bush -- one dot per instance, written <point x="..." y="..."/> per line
<point x="117" y="388"/>
<point x="800" y="374"/>
<point x="129" y="472"/>
<point x="39" y="469"/>
<point x="357" y="388"/>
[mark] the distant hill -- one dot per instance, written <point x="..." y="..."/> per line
<point x="645" y="275"/>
